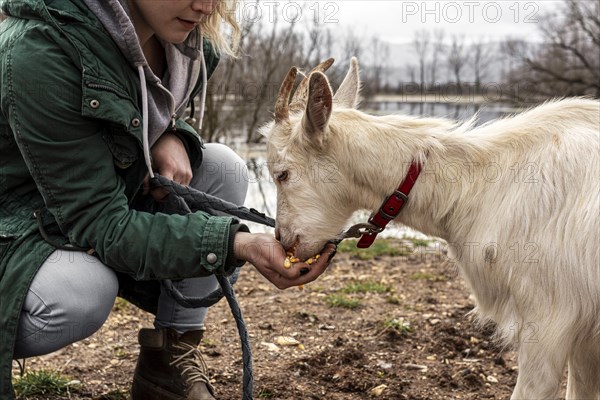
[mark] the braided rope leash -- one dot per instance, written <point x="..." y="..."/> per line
<point x="184" y="200"/>
<point x="248" y="376"/>
<point x="196" y="200"/>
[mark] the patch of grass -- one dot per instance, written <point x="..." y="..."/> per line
<point x="420" y="242"/>
<point x="120" y="304"/>
<point x="381" y="247"/>
<point x="399" y="325"/>
<point x="120" y="352"/>
<point x="45" y="383"/>
<point x="428" y="277"/>
<point x="366" y="286"/>
<point x="339" y="300"/>
<point x="265" y="394"/>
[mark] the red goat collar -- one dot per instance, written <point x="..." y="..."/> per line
<point x="391" y="206"/>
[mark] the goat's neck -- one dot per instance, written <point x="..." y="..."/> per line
<point x="382" y="154"/>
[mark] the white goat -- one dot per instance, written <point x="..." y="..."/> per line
<point x="516" y="199"/>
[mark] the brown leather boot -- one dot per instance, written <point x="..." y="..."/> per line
<point x="170" y="367"/>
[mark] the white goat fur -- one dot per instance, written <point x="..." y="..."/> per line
<point x="518" y="200"/>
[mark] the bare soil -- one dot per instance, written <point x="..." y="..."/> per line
<point x="414" y="340"/>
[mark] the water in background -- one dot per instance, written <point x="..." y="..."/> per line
<point x="261" y="188"/>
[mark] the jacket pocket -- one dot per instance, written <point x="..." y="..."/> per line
<point x="123" y="146"/>
<point x="6" y="240"/>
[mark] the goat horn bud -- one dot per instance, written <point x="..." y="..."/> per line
<point x="281" y="104"/>
<point x="299" y="100"/>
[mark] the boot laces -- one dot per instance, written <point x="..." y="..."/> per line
<point x="192" y="364"/>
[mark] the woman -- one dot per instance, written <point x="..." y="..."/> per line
<point x="91" y="98"/>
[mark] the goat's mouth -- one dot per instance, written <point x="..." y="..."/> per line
<point x="291" y="250"/>
<point x="304" y="250"/>
<point x="299" y="249"/>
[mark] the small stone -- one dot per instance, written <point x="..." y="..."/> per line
<point x="286" y="341"/>
<point x="326" y="327"/>
<point x="265" y="325"/>
<point x="270" y="346"/>
<point x="421" y="368"/>
<point x="491" y="379"/>
<point x="378" y="390"/>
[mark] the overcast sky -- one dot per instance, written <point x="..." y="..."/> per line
<point x="395" y="21"/>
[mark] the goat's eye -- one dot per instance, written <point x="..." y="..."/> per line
<point x="282" y="176"/>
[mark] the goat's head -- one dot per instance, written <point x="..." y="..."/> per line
<point x="306" y="158"/>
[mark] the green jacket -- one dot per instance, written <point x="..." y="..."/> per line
<point x="71" y="146"/>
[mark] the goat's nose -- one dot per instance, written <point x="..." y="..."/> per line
<point x="277" y="233"/>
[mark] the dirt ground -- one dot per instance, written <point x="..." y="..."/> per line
<point x="409" y="337"/>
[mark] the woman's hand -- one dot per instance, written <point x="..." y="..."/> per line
<point x="170" y="159"/>
<point x="268" y="256"/>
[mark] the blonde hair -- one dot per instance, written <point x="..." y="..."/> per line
<point x="212" y="29"/>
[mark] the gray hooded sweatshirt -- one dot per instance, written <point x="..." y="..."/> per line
<point x="167" y="96"/>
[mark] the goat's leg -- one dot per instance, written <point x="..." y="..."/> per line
<point x="541" y="366"/>
<point x="584" y="373"/>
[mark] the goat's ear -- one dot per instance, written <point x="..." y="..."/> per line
<point x="347" y="93"/>
<point x="318" y="107"/>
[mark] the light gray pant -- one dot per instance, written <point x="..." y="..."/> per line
<point x="72" y="294"/>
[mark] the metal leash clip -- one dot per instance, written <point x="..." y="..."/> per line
<point x="358" y="230"/>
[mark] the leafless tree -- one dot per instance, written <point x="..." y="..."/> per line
<point x="421" y="41"/>
<point x="567" y="62"/>
<point x="224" y="89"/>
<point x="242" y="92"/>
<point x="412" y="73"/>
<point x="482" y="56"/>
<point x="274" y="53"/>
<point x="437" y="50"/>
<point x="243" y="89"/>
<point x="318" y="43"/>
<point x="375" y="67"/>
<point x="351" y="45"/>
<point x="457" y="58"/>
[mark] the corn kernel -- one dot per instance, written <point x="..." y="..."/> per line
<point x="287" y="263"/>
